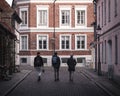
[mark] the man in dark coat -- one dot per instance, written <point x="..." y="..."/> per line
<point x="38" y="64"/>
<point x="71" y="62"/>
<point x="56" y="65"/>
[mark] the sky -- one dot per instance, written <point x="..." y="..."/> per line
<point x="9" y="2"/>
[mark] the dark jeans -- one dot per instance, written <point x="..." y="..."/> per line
<point x="71" y="73"/>
<point x="56" y="73"/>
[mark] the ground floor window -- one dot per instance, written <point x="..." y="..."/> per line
<point x="23" y="60"/>
<point x="64" y="60"/>
<point x="45" y="60"/>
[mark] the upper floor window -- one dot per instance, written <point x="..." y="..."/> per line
<point x="24" y="16"/>
<point x="109" y="10"/>
<point x="115" y="1"/>
<point x="80" y="16"/>
<point x="104" y="12"/>
<point x="42" y="42"/>
<point x="23" y="42"/>
<point x="65" y="42"/>
<point x="42" y="16"/>
<point x="65" y="16"/>
<point x="80" y="42"/>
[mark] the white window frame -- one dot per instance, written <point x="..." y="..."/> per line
<point x="76" y="41"/>
<point x="62" y="8"/>
<point x="21" y="42"/>
<point x="70" y="43"/>
<point x="38" y="41"/>
<point x="78" y="8"/>
<point x="23" y="8"/>
<point x="39" y="7"/>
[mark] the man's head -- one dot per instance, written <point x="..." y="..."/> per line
<point x="38" y="53"/>
<point x="55" y="53"/>
<point x="71" y="55"/>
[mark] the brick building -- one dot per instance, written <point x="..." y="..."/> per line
<point x="55" y="25"/>
<point x="8" y="18"/>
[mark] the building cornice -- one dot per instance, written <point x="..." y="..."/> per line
<point x="88" y="29"/>
<point x="51" y="1"/>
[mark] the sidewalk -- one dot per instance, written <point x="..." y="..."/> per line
<point x="7" y="86"/>
<point x="110" y="86"/>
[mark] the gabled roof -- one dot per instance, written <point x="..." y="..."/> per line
<point x="4" y="6"/>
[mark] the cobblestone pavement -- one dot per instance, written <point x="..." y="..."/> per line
<point x="86" y="83"/>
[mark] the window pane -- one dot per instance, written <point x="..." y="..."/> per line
<point x="42" y="17"/>
<point x="40" y="44"/>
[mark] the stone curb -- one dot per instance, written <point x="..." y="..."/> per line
<point x="16" y="84"/>
<point x="98" y="84"/>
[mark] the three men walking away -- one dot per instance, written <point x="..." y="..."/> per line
<point x="71" y="62"/>
<point x="56" y="65"/>
<point x="38" y="64"/>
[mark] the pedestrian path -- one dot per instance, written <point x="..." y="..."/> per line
<point x="110" y="86"/>
<point x="7" y="86"/>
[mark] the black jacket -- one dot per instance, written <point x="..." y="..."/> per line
<point x="38" y="61"/>
<point x="71" y="62"/>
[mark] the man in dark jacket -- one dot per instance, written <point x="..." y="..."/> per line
<point x="38" y="64"/>
<point x="71" y="62"/>
<point x="56" y="65"/>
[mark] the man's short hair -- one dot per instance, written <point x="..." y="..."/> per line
<point x="55" y="53"/>
<point x="38" y="53"/>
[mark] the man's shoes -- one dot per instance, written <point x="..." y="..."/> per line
<point x="39" y="78"/>
<point x="57" y="79"/>
<point x="71" y="80"/>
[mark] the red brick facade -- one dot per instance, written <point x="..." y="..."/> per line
<point x="72" y="31"/>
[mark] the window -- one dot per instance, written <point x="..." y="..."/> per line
<point x="42" y="42"/>
<point x="80" y="17"/>
<point x="65" y="42"/>
<point x="24" y="42"/>
<point x="81" y="60"/>
<point x="42" y="15"/>
<point x="116" y="49"/>
<point x="65" y="17"/>
<point x="23" y="60"/>
<point x="99" y="15"/>
<point x="24" y="16"/>
<point x="42" y="18"/>
<point x="109" y="9"/>
<point x="104" y="12"/>
<point x="64" y="60"/>
<point x="80" y="42"/>
<point x="105" y="52"/>
<point x="102" y="52"/>
<point x="44" y="60"/>
<point x="115" y="1"/>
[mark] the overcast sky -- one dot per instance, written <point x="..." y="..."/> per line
<point x="9" y="2"/>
